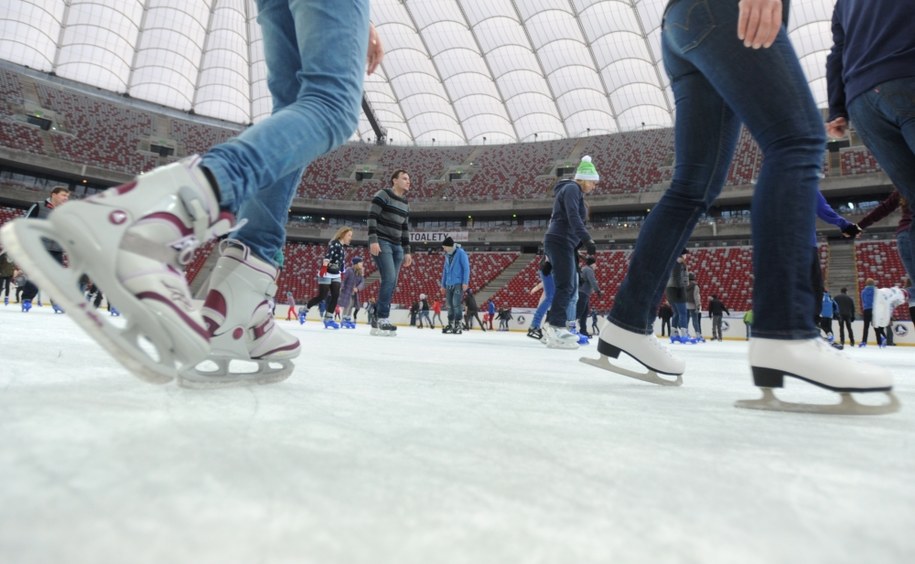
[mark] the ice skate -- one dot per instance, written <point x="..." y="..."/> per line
<point x="133" y="241"/>
<point x="329" y="323"/>
<point x="113" y="311"/>
<point x="647" y="350"/>
<point x="447" y="329"/>
<point x="56" y="308"/>
<point x="384" y="328"/>
<point x="242" y="329"/>
<point x="535" y="333"/>
<point x="814" y="361"/>
<point x="457" y="329"/>
<point x="559" y="338"/>
<point x="348" y="323"/>
<point x="26" y="306"/>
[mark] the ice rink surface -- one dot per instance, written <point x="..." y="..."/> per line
<point x="430" y="448"/>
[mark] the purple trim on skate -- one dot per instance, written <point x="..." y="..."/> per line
<point x="184" y="317"/>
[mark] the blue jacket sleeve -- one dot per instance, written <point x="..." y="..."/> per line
<point x="829" y="215"/>
<point x="465" y="268"/>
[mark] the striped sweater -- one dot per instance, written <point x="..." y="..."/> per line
<point x="388" y="219"/>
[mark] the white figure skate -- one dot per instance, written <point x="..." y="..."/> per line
<point x="814" y="361"/>
<point x="559" y="338"/>
<point x="647" y="350"/>
<point x="241" y="325"/>
<point x="384" y="328"/>
<point x="133" y="241"/>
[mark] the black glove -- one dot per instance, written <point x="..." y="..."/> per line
<point x="546" y="268"/>
<point x="852" y="230"/>
<point x="591" y="248"/>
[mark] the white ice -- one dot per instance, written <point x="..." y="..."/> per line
<point x="430" y="448"/>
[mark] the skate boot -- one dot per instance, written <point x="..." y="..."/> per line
<point x="241" y="324"/>
<point x="6" y="300"/>
<point x="559" y="337"/>
<point x="674" y="337"/>
<point x="348" y="323"/>
<point x="56" y="308"/>
<point x="882" y="344"/>
<point x="329" y="323"/>
<point x="647" y="350"/>
<point x="133" y="241"/>
<point x="814" y="361"/>
<point x="113" y="311"/>
<point x="535" y="333"/>
<point x="458" y="328"/>
<point x="302" y="314"/>
<point x="384" y="328"/>
<point x="26" y="305"/>
<point x="448" y="329"/>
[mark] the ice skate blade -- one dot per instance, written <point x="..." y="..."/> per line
<point x="651" y="376"/>
<point x="268" y="372"/>
<point x="847" y="406"/>
<point x="22" y="239"/>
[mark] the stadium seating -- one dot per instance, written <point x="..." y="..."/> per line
<point x="880" y="260"/>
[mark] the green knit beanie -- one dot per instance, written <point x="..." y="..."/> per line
<point x="586" y="170"/>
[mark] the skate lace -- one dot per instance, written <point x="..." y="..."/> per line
<point x="657" y="344"/>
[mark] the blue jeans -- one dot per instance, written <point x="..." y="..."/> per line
<point x="885" y="119"/>
<point x="315" y="55"/>
<point x="388" y="262"/>
<point x="549" y="290"/>
<point x="454" y="297"/>
<point x="561" y="253"/>
<point x="717" y="84"/>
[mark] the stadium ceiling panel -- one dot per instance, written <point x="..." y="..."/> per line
<point x="456" y="72"/>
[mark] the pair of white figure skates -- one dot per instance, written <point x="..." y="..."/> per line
<point x="811" y="360"/>
<point x="134" y="241"/>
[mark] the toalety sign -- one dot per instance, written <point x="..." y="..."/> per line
<point x="436" y="236"/>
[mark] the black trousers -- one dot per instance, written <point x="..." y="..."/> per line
<point x="845" y="322"/>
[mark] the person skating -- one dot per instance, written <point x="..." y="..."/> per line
<point x="134" y="240"/>
<point x="731" y="63"/>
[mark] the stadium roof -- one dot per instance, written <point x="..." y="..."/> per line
<point x="455" y="72"/>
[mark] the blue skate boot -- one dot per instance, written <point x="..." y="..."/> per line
<point x="57" y="308"/>
<point x="301" y="316"/>
<point x="26" y="305"/>
<point x="329" y="323"/>
<point x="113" y="311"/>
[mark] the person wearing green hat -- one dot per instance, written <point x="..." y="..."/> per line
<point x="564" y="235"/>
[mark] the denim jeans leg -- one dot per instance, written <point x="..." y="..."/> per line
<point x="549" y="290"/>
<point x="885" y="119"/>
<point x="572" y="308"/>
<point x="561" y="254"/>
<point x="316" y="95"/>
<point x="718" y="83"/>
<point x="388" y="262"/>
<point x="454" y="296"/>
<point x="907" y="254"/>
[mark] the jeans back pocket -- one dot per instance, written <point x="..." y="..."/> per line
<point x="687" y="22"/>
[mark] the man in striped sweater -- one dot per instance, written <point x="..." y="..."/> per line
<point x="389" y="243"/>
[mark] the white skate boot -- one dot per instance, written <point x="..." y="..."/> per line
<point x="133" y="242"/>
<point x="814" y="361"/>
<point x="647" y="350"/>
<point x="559" y="337"/>
<point x="241" y="325"/>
